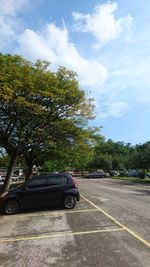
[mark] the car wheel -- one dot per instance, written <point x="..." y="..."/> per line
<point x="11" y="207"/>
<point x="70" y="202"/>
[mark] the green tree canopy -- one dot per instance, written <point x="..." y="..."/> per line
<point x="141" y="156"/>
<point x="112" y="155"/>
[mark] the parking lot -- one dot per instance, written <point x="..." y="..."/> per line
<point x="110" y="226"/>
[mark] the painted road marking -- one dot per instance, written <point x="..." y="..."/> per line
<point x="137" y="187"/>
<point x="48" y="214"/>
<point x="101" y="199"/>
<point x="60" y="234"/>
<point x="146" y="243"/>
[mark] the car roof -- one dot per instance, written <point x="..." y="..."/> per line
<point x="56" y="174"/>
<point x="52" y="175"/>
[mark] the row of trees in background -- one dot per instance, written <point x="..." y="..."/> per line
<point x="95" y="154"/>
<point x="107" y="155"/>
<point x="110" y="155"/>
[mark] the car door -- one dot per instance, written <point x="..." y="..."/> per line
<point x="34" y="195"/>
<point x="56" y="184"/>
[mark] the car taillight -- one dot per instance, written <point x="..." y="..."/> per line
<point x="75" y="183"/>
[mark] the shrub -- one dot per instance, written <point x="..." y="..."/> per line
<point x="123" y="174"/>
<point x="142" y="174"/>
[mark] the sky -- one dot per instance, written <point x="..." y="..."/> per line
<point x="106" y="42"/>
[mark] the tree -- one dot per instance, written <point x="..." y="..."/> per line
<point x="100" y="162"/>
<point x="112" y="155"/>
<point x="141" y="156"/>
<point x="39" y="110"/>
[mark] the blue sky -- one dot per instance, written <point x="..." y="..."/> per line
<point x="106" y="42"/>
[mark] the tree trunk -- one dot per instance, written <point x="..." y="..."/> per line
<point x="10" y="171"/>
<point x="28" y="173"/>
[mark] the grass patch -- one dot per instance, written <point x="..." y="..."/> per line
<point x="133" y="179"/>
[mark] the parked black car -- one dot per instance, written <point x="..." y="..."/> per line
<point x="41" y="191"/>
<point x="97" y="174"/>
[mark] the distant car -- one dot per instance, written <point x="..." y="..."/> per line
<point x="133" y="173"/>
<point x="114" y="173"/>
<point x="107" y="174"/>
<point x="15" y="178"/>
<point x="45" y="190"/>
<point x="2" y="178"/>
<point x="147" y="175"/>
<point x="3" y="173"/>
<point x="97" y="174"/>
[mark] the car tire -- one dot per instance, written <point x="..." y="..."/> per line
<point x="70" y="202"/>
<point x="11" y="207"/>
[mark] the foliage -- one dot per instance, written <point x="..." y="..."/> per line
<point x="4" y="160"/>
<point x="121" y="156"/>
<point x="53" y="166"/>
<point x="142" y="174"/>
<point x="111" y="155"/>
<point x="142" y="156"/>
<point x="100" y="162"/>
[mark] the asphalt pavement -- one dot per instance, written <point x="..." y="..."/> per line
<point x="109" y="227"/>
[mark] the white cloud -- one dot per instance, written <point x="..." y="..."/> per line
<point x="10" y="7"/>
<point x="111" y="109"/>
<point x="8" y="21"/>
<point x="53" y="44"/>
<point x="102" y="23"/>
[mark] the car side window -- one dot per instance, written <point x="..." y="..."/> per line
<point x="37" y="183"/>
<point x="56" y="180"/>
